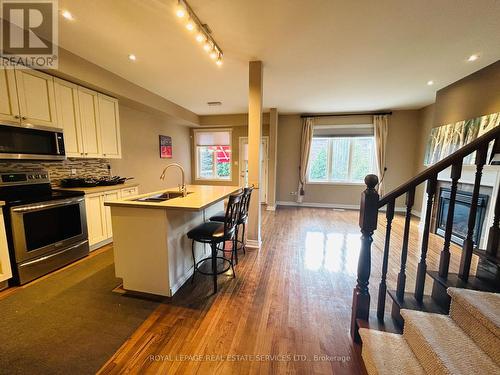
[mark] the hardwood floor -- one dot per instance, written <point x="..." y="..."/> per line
<point x="287" y="311"/>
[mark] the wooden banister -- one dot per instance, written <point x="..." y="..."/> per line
<point x="441" y="165"/>
<point x="369" y="210"/>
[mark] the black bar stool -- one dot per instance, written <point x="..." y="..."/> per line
<point x="242" y="220"/>
<point x="214" y="233"/>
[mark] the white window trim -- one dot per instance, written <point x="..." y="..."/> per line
<point x="330" y="181"/>
<point x="197" y="163"/>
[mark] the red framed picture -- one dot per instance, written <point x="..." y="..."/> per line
<point x="165" y="147"/>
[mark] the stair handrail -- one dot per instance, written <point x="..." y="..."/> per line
<point x="370" y="205"/>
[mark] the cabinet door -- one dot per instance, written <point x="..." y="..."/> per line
<point x="37" y="102"/>
<point x="96" y="221"/>
<point x="129" y="192"/>
<point x="89" y="120"/>
<point x="68" y="116"/>
<point x="110" y="126"/>
<point x="5" y="270"/>
<point x="110" y="196"/>
<point x="9" y="106"/>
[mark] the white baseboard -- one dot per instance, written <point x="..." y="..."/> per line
<point x="253" y="244"/>
<point x="100" y="244"/>
<point x="271" y="208"/>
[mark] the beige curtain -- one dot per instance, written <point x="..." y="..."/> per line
<point x="305" y="148"/>
<point x="381" y="128"/>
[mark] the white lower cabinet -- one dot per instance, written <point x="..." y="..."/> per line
<point x="99" y="216"/>
<point x="5" y="270"/>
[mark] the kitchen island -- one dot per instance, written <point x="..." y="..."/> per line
<point x="151" y="250"/>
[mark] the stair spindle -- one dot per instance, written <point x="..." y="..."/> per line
<point x="422" y="265"/>
<point x="444" y="261"/>
<point x="494" y="232"/>
<point x="382" y="290"/>
<point x="400" y="288"/>
<point x="468" y="246"/>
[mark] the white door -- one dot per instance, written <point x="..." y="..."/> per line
<point x="264" y="161"/>
<point x="89" y="119"/>
<point x="9" y="106"/>
<point x="110" y="126"/>
<point x="37" y="102"/>
<point x="68" y="115"/>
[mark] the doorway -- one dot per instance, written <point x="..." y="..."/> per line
<point x="264" y="161"/>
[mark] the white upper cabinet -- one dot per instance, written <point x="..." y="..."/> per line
<point x="89" y="119"/>
<point x="110" y="126"/>
<point x="9" y="106"/>
<point x="68" y="116"/>
<point x="37" y="103"/>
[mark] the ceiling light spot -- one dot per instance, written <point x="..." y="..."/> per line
<point x="132" y="57"/>
<point x="67" y="14"/>
<point x="199" y="37"/>
<point x="190" y="25"/>
<point x="219" y="62"/>
<point x="213" y="54"/>
<point x="180" y="12"/>
<point x="473" y="58"/>
<point x="430" y="83"/>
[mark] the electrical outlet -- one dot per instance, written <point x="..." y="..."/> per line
<point x="73" y="171"/>
<point x="293" y="193"/>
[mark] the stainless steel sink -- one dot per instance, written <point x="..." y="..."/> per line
<point x="161" y="197"/>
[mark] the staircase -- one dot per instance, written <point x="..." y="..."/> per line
<point x="467" y="341"/>
<point x="430" y="334"/>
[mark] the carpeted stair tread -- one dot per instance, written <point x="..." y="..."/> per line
<point x="477" y="314"/>
<point x="388" y="353"/>
<point x="442" y="347"/>
<point x="483" y="305"/>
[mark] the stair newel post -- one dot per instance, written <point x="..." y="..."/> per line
<point x="400" y="287"/>
<point x="382" y="289"/>
<point x="422" y="265"/>
<point x="444" y="261"/>
<point x="368" y="223"/>
<point x="468" y="246"/>
<point x="494" y="232"/>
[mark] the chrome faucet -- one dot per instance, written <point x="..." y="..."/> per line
<point x="182" y="188"/>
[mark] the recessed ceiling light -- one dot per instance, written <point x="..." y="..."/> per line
<point x="473" y="57"/>
<point x="67" y="14"/>
<point x="430" y="83"/>
<point x="132" y="57"/>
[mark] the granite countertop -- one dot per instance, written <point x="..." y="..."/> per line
<point x="101" y="189"/>
<point x="198" y="198"/>
<point x="2" y="203"/>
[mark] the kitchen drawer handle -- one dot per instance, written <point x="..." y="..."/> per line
<point x="17" y="116"/>
<point x="38" y="260"/>
<point x="24" y="118"/>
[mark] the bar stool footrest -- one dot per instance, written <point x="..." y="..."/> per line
<point x="220" y="265"/>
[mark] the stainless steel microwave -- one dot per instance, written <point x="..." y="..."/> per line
<point x="30" y="142"/>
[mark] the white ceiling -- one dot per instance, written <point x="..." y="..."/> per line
<point x="318" y="55"/>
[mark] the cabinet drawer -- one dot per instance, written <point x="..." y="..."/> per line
<point x="128" y="192"/>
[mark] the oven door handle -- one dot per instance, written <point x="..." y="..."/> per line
<point x="38" y="207"/>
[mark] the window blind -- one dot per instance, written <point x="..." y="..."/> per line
<point x="326" y="131"/>
<point x="213" y="138"/>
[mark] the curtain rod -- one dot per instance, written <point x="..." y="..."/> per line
<point x="346" y="114"/>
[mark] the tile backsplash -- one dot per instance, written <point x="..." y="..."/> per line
<point x="60" y="169"/>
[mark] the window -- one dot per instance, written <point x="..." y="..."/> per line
<point x="341" y="159"/>
<point x="213" y="155"/>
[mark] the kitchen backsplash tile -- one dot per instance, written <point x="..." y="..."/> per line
<point x="61" y="169"/>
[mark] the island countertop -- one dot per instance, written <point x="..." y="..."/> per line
<point x="198" y="198"/>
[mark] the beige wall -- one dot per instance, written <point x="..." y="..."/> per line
<point x="140" y="149"/>
<point x="236" y="132"/>
<point x="475" y="95"/>
<point x="403" y="130"/>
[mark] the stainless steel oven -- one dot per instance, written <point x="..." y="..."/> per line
<point x="46" y="229"/>
<point x="29" y="142"/>
<point x="42" y="228"/>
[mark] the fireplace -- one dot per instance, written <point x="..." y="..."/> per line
<point x="461" y="215"/>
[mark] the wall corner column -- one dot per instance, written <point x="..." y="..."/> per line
<point x="254" y="143"/>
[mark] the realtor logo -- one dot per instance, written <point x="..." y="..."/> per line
<point x="29" y="33"/>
